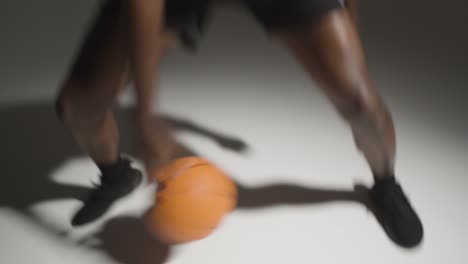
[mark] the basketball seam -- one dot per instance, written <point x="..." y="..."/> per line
<point x="189" y="167"/>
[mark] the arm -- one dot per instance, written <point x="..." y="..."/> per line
<point x="145" y="43"/>
<point x="146" y="47"/>
<point x="352" y="6"/>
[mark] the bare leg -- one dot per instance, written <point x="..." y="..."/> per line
<point x="101" y="71"/>
<point x="94" y="83"/>
<point x="331" y="52"/>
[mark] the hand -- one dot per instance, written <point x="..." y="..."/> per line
<point x="156" y="144"/>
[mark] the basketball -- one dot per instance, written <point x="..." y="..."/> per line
<point x="192" y="199"/>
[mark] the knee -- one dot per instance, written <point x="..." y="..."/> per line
<point x="361" y="104"/>
<point x="63" y="104"/>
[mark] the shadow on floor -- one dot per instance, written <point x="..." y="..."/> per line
<point x="126" y="240"/>
<point x="34" y="143"/>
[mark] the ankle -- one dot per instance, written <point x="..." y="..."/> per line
<point x="384" y="177"/>
<point x="113" y="168"/>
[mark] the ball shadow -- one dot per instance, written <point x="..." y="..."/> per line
<point x="126" y="240"/>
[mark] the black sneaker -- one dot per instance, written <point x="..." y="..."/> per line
<point x="398" y="218"/>
<point x="111" y="188"/>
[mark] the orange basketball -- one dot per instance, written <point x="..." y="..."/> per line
<point x="192" y="199"/>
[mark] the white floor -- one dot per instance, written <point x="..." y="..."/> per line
<point x="300" y="169"/>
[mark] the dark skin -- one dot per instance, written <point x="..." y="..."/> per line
<point x="131" y="49"/>
<point x="331" y="52"/>
<point x="353" y="7"/>
<point x="104" y="66"/>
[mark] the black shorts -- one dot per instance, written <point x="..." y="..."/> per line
<point x="189" y="17"/>
<point x="287" y="14"/>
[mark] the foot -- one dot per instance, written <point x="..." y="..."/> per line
<point x="398" y="218"/>
<point x="111" y="188"/>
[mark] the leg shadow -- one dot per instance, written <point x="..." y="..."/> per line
<point x="289" y="194"/>
<point x="34" y="144"/>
